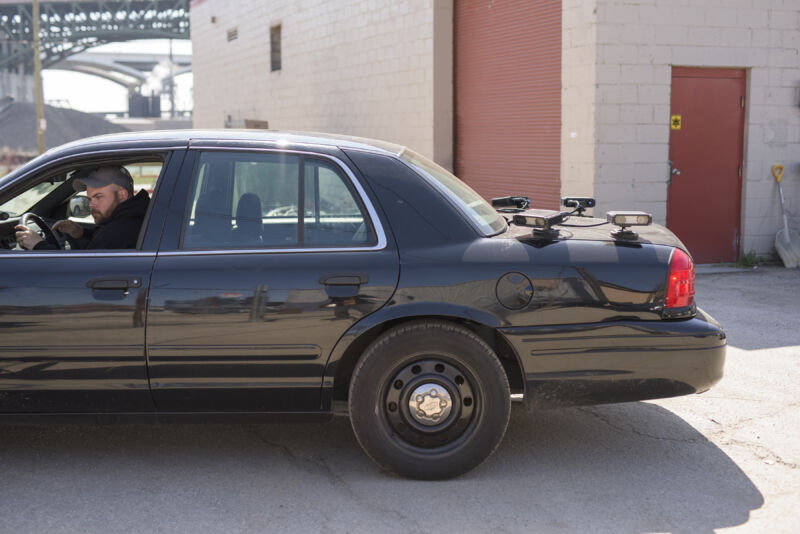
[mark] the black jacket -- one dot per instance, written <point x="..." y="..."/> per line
<point x="120" y="231"/>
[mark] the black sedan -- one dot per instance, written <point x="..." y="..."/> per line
<point x="295" y="275"/>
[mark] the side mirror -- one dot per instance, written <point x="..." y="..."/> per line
<point x="79" y="207"/>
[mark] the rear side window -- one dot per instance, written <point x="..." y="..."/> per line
<point x="253" y="200"/>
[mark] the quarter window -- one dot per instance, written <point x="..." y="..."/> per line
<point x="252" y="200"/>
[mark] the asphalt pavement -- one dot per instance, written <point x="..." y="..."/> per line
<point x="724" y="461"/>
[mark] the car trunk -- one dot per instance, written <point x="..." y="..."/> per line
<point x="592" y="229"/>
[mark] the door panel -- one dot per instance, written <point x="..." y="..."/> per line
<point x="66" y="347"/>
<point x="250" y="296"/>
<point x="73" y="321"/>
<point x="706" y="149"/>
<point x="253" y="332"/>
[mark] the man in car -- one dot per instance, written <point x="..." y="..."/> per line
<point x="117" y="212"/>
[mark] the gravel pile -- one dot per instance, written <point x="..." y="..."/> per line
<point x="18" y="126"/>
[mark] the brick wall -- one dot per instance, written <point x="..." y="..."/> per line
<point x="361" y="67"/>
<point x="637" y="43"/>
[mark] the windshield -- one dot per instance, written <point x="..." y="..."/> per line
<point x="463" y="196"/>
<point x="21" y="203"/>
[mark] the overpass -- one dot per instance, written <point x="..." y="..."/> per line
<point x="69" y="28"/>
<point x="128" y="70"/>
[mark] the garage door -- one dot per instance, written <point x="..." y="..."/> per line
<point x="508" y="97"/>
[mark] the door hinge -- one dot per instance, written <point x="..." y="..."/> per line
<point x="741" y="101"/>
<point x="740" y="171"/>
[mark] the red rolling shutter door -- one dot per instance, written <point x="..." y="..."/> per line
<point x="508" y="97"/>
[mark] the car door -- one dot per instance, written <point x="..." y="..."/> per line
<point x="73" y="321"/>
<point x="269" y="257"/>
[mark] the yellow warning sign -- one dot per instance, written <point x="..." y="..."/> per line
<point x="675" y="122"/>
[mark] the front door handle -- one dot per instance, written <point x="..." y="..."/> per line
<point x="114" y="282"/>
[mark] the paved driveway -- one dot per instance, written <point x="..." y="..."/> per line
<point x="725" y="459"/>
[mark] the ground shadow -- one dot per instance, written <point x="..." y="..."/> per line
<point x="619" y="468"/>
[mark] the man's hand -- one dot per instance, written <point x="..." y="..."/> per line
<point x="68" y="227"/>
<point x="27" y="238"/>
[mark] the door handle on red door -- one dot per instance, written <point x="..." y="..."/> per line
<point x="673" y="171"/>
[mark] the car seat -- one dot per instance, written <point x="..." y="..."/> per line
<point x="212" y="221"/>
<point x="249" y="220"/>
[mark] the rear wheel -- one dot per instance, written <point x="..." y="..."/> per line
<point x="429" y="400"/>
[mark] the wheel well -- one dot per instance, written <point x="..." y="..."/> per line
<point x="498" y="344"/>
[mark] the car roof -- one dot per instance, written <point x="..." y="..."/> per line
<point x="234" y="136"/>
<point x="170" y="139"/>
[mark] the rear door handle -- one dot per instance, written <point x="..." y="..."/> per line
<point x="344" y="279"/>
<point x="343" y="285"/>
<point x="114" y="282"/>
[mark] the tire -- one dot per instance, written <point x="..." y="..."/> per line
<point x="429" y="400"/>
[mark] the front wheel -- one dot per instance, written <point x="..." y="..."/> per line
<point x="429" y="400"/>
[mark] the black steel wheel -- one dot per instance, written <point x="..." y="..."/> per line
<point x="429" y="400"/>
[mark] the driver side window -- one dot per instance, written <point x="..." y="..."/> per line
<point x="113" y="221"/>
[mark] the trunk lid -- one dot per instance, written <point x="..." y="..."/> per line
<point x="593" y="229"/>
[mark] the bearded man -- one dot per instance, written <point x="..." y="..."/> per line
<point x="117" y="212"/>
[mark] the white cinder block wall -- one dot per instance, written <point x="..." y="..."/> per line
<point x="578" y="97"/>
<point x="636" y="44"/>
<point x="357" y="67"/>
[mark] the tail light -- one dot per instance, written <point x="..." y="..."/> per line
<point x="680" y="285"/>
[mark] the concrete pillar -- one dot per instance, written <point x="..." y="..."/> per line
<point x="578" y="97"/>
<point x="443" y="83"/>
<point x="5" y="89"/>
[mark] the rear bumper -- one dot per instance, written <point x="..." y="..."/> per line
<point x="570" y="365"/>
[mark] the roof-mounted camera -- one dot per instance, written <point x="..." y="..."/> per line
<point x="625" y="219"/>
<point x="511" y="204"/>
<point x="542" y="221"/>
<point x="578" y="203"/>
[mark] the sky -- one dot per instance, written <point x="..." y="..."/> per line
<point x="93" y="94"/>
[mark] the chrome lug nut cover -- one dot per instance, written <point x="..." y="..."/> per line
<point x="430" y="404"/>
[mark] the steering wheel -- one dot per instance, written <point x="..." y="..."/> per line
<point x="49" y="236"/>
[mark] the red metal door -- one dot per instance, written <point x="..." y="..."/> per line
<point x="706" y="149"/>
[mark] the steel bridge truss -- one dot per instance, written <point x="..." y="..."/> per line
<point x="67" y="28"/>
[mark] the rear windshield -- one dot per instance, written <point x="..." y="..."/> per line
<point x="470" y="203"/>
